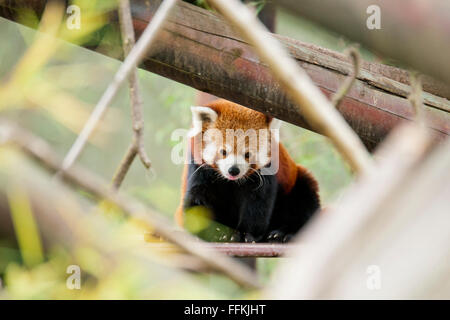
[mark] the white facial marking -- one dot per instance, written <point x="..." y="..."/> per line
<point x="232" y="160"/>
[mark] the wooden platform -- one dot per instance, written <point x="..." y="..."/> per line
<point x="254" y="250"/>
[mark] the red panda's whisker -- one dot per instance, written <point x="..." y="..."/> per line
<point x="201" y="166"/>
<point x="218" y="176"/>
<point x="261" y="183"/>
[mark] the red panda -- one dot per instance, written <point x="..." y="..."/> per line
<point x="249" y="186"/>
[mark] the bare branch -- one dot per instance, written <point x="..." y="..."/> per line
<point x="133" y="59"/>
<point x="318" y="111"/>
<point x="124" y="166"/>
<point x="137" y="145"/>
<point x="39" y="150"/>
<point x="345" y="88"/>
<point x="126" y="27"/>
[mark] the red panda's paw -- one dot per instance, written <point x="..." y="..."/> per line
<point x="279" y="236"/>
<point x="244" y="237"/>
<point x="249" y="238"/>
<point x="236" y="237"/>
<point x="229" y="237"/>
<point x="288" y="237"/>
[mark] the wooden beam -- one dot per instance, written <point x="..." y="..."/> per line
<point x="414" y="32"/>
<point x="199" y="49"/>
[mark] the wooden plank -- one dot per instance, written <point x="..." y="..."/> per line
<point x="255" y="250"/>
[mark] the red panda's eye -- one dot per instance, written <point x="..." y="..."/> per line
<point x="223" y="152"/>
<point x="247" y="155"/>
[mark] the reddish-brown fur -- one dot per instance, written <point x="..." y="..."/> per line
<point x="234" y="116"/>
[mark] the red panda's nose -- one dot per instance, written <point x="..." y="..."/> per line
<point x="234" y="171"/>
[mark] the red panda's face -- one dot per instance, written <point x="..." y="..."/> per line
<point x="236" y="141"/>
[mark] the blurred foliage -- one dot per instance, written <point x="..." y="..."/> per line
<point x="50" y="87"/>
<point x="199" y="221"/>
<point x="24" y="226"/>
<point x="107" y="247"/>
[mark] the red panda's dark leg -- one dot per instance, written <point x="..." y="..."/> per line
<point x="256" y="210"/>
<point x="293" y="210"/>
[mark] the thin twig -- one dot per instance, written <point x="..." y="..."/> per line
<point x="41" y="151"/>
<point x="137" y="145"/>
<point x="124" y="166"/>
<point x="315" y="107"/>
<point x="133" y="59"/>
<point x="346" y="86"/>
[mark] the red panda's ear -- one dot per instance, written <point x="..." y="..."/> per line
<point x="200" y="117"/>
